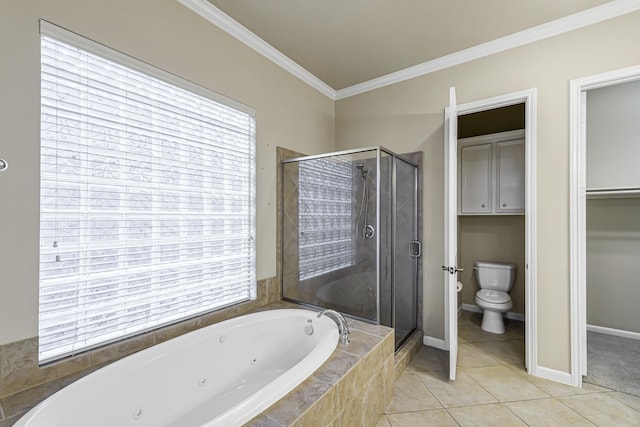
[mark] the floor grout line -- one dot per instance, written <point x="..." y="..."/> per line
<point x="514" y="414"/>
<point x="582" y="415"/>
<point x="504" y="358"/>
<point x="612" y="392"/>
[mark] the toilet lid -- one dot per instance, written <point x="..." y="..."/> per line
<point x="494" y="297"/>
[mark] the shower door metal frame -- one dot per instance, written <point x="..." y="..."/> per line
<point x="394" y="188"/>
<point x="378" y="153"/>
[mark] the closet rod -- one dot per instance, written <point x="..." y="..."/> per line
<point x="601" y="193"/>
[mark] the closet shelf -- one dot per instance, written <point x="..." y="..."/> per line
<point x="613" y="193"/>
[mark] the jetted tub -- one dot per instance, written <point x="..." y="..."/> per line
<point x="221" y="375"/>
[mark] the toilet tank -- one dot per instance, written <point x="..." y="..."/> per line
<point x="499" y="276"/>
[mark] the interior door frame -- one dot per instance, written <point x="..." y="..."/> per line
<point x="450" y="267"/>
<point x="578" y="208"/>
<point x="529" y="98"/>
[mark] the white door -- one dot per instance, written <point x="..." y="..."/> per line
<point x="450" y="269"/>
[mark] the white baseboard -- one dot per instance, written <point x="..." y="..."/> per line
<point x="553" y="375"/>
<point x="611" y="331"/>
<point x="471" y="307"/>
<point x="509" y="315"/>
<point x="433" y="342"/>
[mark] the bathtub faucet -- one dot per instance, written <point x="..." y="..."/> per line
<point x="343" y="328"/>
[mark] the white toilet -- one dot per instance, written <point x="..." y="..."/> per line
<point x="495" y="280"/>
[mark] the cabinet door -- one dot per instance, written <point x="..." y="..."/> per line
<point x="475" y="179"/>
<point x="510" y="176"/>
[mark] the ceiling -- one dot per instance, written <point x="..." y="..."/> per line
<point x="347" y="42"/>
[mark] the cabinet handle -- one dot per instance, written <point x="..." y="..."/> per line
<point x="483" y="205"/>
<point x="504" y="205"/>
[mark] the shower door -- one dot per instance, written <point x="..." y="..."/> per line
<point x="406" y="249"/>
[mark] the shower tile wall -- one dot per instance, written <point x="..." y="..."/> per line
<point x="350" y="289"/>
<point x="355" y="285"/>
<point x="364" y="272"/>
<point x="290" y="238"/>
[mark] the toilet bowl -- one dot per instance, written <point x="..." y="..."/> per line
<point x="495" y="280"/>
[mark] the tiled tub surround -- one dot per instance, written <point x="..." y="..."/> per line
<point x="221" y="375"/>
<point x="407" y="352"/>
<point x="352" y="388"/>
<point x="23" y="384"/>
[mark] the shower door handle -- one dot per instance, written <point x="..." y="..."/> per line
<point x="415" y="249"/>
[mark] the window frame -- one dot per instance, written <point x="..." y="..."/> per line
<point x="52" y="31"/>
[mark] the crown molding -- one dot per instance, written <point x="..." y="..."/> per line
<point x="220" y="19"/>
<point x="569" y="23"/>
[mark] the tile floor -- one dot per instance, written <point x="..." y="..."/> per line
<point x="493" y="389"/>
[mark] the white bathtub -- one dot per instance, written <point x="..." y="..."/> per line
<point x="221" y="375"/>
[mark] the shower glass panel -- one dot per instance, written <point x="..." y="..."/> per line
<point x="340" y="236"/>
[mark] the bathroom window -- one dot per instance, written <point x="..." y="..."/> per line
<point x="147" y="197"/>
<point x="325" y="187"/>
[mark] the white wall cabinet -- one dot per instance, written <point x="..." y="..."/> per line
<point x="510" y="177"/>
<point x="475" y="179"/>
<point x="491" y="174"/>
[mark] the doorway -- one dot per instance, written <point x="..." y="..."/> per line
<point x="451" y="267"/>
<point x="605" y="186"/>
<point x="491" y="227"/>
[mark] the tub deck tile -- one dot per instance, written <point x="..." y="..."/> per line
<point x="288" y="409"/>
<point x="336" y="367"/>
<point x="10" y="421"/>
<point x="356" y="380"/>
<point x="378" y="330"/>
<point x="361" y="343"/>
<point x="19" y="368"/>
<point x="19" y="403"/>
<point x="263" y="420"/>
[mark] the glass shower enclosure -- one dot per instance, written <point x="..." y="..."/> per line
<point x="350" y="235"/>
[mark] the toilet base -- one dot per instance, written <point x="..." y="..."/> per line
<point x="492" y="322"/>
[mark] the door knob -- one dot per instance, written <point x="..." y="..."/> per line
<point x="452" y="270"/>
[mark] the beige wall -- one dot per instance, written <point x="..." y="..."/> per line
<point x="612" y="136"/>
<point x="613" y="271"/>
<point x="408" y="116"/>
<point x="169" y="36"/>
<point x="491" y="238"/>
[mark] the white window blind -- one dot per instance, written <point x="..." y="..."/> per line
<point x="324" y="201"/>
<point x="147" y="198"/>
